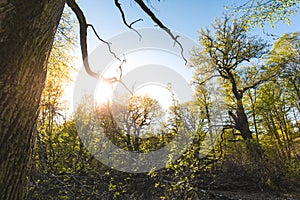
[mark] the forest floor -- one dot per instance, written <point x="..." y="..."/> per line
<point x="246" y="195"/>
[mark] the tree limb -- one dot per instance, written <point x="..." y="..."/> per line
<point x="83" y="25"/>
<point x="257" y="83"/>
<point x="144" y="7"/>
<point x="83" y="36"/>
<point x="107" y="43"/>
<point x="206" y="80"/>
<point x="118" y="5"/>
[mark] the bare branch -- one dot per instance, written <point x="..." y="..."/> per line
<point x="144" y="7"/>
<point x="107" y="43"/>
<point x="207" y="79"/>
<point x="125" y="86"/>
<point x="135" y="22"/>
<point x="83" y="36"/>
<point x="118" y="5"/>
<point x="114" y="79"/>
<point x="83" y="42"/>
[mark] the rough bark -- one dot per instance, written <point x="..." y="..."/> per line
<point x="241" y="121"/>
<point x="240" y="118"/>
<point x="27" y="29"/>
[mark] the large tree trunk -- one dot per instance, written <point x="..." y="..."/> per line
<point x="27" y="29"/>
<point x="241" y="122"/>
<point x="240" y="118"/>
<point x="242" y="125"/>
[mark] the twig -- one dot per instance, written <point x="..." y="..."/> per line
<point x="107" y="43"/>
<point x="118" y="5"/>
<point x="144" y="7"/>
<point x="83" y="37"/>
<point x="83" y="41"/>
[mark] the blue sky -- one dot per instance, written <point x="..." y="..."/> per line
<point x="184" y="16"/>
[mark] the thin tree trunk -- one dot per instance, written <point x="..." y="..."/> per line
<point x="273" y="129"/>
<point x="254" y="113"/>
<point x="136" y="144"/>
<point x="27" y="29"/>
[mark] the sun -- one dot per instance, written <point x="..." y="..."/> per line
<point x="103" y="92"/>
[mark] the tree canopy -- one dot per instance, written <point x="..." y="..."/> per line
<point x="246" y="132"/>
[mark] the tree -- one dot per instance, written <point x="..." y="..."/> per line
<point x="260" y="12"/>
<point x="142" y="111"/>
<point x="53" y="132"/>
<point x="130" y="120"/>
<point x="224" y="53"/>
<point x="27" y="30"/>
<point x="278" y="101"/>
<point x="285" y="57"/>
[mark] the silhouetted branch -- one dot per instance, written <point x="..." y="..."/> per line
<point x="83" y="25"/>
<point x="107" y="43"/>
<point x="83" y="36"/>
<point x="83" y="41"/>
<point x="206" y="80"/>
<point x="118" y="5"/>
<point x="161" y="25"/>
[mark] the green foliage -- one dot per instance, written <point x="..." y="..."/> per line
<point x="219" y="156"/>
<point x="260" y="12"/>
<point x="227" y="54"/>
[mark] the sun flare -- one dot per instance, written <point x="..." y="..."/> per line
<point x="103" y="92"/>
